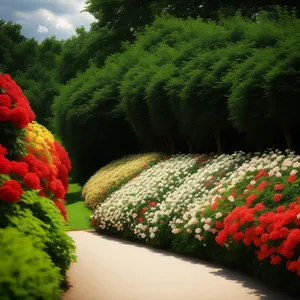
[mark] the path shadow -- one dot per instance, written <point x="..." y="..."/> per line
<point x="257" y="287"/>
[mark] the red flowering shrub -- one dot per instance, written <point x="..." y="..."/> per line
<point x="262" y="223"/>
<point x="14" y="106"/>
<point x="45" y="166"/>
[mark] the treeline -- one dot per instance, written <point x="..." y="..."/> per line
<point x="189" y="86"/>
<point x="41" y="68"/>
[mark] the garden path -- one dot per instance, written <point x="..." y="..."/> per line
<point x="110" y="269"/>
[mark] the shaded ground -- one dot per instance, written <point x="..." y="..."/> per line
<point x="78" y="213"/>
<point x="110" y="269"/>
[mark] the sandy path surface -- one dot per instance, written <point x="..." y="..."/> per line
<point x="109" y="269"/>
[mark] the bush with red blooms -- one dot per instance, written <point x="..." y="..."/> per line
<point x="45" y="165"/>
<point x="14" y="106"/>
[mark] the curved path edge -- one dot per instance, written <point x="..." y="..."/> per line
<point x="110" y="269"/>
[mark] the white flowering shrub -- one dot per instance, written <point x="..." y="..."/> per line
<point x="138" y="203"/>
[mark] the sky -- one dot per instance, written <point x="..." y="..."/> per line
<point x="44" y="18"/>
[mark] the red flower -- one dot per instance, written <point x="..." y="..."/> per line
<point x="5" y="100"/>
<point x="152" y="203"/>
<point x="3" y="150"/>
<point x="250" y="187"/>
<point x="219" y="225"/>
<point x="278" y="187"/>
<point x="265" y="238"/>
<point x="214" y="206"/>
<point x="4" y="113"/>
<point x="250" y="199"/>
<point x="257" y="242"/>
<point x="61" y="208"/>
<point x="11" y="191"/>
<point x="259" y="230"/>
<point x="234" y="228"/>
<point x="260" y="174"/>
<point x="275" y="235"/>
<point x="262" y="186"/>
<point x="19" y="117"/>
<point x="238" y="236"/>
<point x="32" y="181"/>
<point x="19" y="168"/>
<point x="144" y="209"/>
<point x="4" y="166"/>
<point x="221" y="238"/>
<point x="275" y="260"/>
<point x="280" y="209"/>
<point x="258" y="207"/>
<point x="277" y="197"/>
<point x="140" y="220"/>
<point x="292" y="178"/>
<point x="60" y="190"/>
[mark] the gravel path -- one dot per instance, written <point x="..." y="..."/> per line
<point x="109" y="269"/>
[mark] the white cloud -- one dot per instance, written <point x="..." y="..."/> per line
<point x="42" y="29"/>
<point x="59" y="17"/>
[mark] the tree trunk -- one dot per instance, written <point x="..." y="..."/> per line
<point x="167" y="146"/>
<point x="189" y="146"/>
<point x="218" y="141"/>
<point x="172" y="144"/>
<point x="288" y="136"/>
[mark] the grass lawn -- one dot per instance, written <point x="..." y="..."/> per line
<point x="78" y="213"/>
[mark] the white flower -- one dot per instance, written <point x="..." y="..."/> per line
<point x="176" y="230"/>
<point x="193" y="221"/>
<point x="231" y="198"/>
<point x="189" y="230"/>
<point x="152" y="235"/>
<point x="296" y="165"/>
<point x="278" y="174"/>
<point x="134" y="215"/>
<point x="206" y="227"/>
<point x="218" y="215"/>
<point x="253" y="182"/>
<point x="198" y="230"/>
<point x="298" y="216"/>
<point x="294" y="172"/>
<point x="208" y="221"/>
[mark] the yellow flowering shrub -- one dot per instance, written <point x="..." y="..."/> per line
<point x="113" y="175"/>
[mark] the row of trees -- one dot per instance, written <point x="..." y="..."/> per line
<point x="40" y="69"/>
<point x="190" y="85"/>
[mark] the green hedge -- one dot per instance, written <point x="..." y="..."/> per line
<point x="26" y="271"/>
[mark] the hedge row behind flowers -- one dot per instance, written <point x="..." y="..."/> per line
<point x="35" y="249"/>
<point x="240" y="210"/>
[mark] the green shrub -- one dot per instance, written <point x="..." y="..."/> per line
<point x="39" y="218"/>
<point x="26" y="272"/>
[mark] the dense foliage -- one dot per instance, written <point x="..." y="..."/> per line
<point x="33" y="181"/>
<point x="239" y="210"/>
<point x="189" y="86"/>
<point x="26" y="272"/>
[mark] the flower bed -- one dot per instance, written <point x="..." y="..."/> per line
<point x="109" y="178"/>
<point x="33" y="181"/>
<point x="239" y="210"/>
